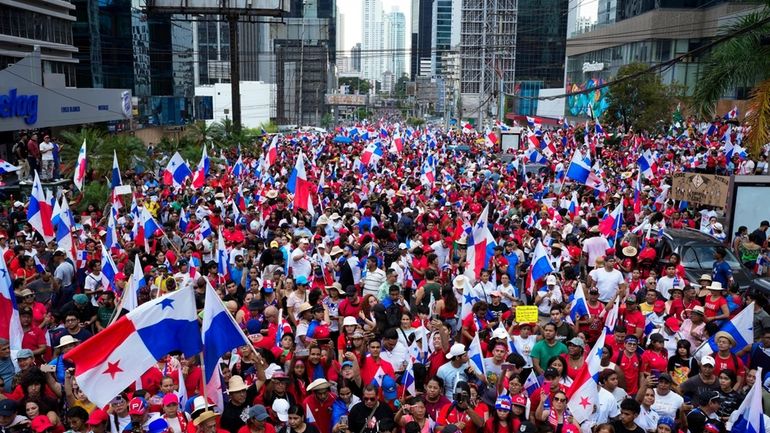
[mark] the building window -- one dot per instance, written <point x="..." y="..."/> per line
<point x="32" y="25"/>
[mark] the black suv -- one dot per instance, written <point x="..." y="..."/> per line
<point x="696" y="250"/>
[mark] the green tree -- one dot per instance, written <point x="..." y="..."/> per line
<point x="400" y="88"/>
<point x="638" y="102"/>
<point x="130" y="150"/>
<point x="355" y="84"/>
<point x="738" y="62"/>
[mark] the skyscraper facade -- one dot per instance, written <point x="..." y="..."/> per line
<point x="395" y="38"/>
<point x="422" y="24"/>
<point x="373" y="41"/>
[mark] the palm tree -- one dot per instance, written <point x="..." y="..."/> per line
<point x="740" y="61"/>
<point x="131" y="152"/>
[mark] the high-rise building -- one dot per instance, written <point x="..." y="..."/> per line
<point x="422" y="24"/>
<point x="355" y="57"/>
<point x="395" y="47"/>
<point x="488" y="48"/>
<point x="373" y="41"/>
<point x="442" y="37"/>
<point x="27" y="23"/>
<point x="153" y="55"/>
<point x="211" y="42"/>
<point x="541" y="39"/>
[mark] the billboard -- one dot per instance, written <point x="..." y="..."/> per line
<point x="358" y="100"/>
<point x="706" y="189"/>
<point x="245" y="7"/>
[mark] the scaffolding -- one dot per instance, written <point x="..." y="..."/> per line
<point x="488" y="53"/>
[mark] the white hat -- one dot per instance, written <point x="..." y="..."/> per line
<point x="457" y="349"/>
<point x="550" y="280"/>
<point x="349" y="321"/>
<point x="406" y="210"/>
<point x="66" y="341"/>
<point x="402" y="246"/>
<point x="708" y="360"/>
<point x="718" y="226"/>
<point x="272" y="368"/>
<point x="460" y="281"/>
<point x="18" y="204"/>
<point x="318" y="384"/>
<point x="322" y="220"/>
<point x="499" y="333"/>
<point x="334" y="216"/>
<point x="281" y="409"/>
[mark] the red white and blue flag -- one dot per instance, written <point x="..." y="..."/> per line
<point x="611" y="223"/>
<point x="372" y="154"/>
<point x="300" y="186"/>
<point x="40" y="211"/>
<point x="199" y="177"/>
<point x="80" y="167"/>
<point x="398" y="143"/>
<point x="10" y="326"/>
<point x="176" y="171"/>
<point x="585" y="389"/>
<point x="481" y="246"/>
<point x="111" y="360"/>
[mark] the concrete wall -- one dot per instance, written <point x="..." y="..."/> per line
<point x="255" y="102"/>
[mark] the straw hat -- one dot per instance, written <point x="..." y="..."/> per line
<point x="205" y="416"/>
<point x="726" y="335"/>
<point x="459" y="282"/>
<point x="236" y="384"/>
<point x="305" y="307"/>
<point x="66" y="341"/>
<point x="629" y="251"/>
<point x="318" y="384"/>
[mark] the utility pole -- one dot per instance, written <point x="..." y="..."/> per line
<point x="301" y="65"/>
<point x="235" y="72"/>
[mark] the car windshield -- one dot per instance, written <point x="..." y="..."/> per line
<point x="702" y="256"/>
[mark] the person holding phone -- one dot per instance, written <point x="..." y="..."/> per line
<point x="414" y="411"/>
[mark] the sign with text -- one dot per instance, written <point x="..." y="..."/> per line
<point x="707" y="189"/>
<point x="526" y="314"/>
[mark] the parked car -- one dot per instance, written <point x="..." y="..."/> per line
<point x="696" y="250"/>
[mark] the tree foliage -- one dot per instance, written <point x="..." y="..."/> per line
<point x="640" y="102"/>
<point x="355" y="84"/>
<point x="130" y="150"/>
<point x="738" y="62"/>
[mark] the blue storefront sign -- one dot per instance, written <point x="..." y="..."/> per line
<point x="15" y="105"/>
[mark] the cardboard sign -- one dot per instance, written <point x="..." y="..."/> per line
<point x="707" y="189"/>
<point x="526" y="314"/>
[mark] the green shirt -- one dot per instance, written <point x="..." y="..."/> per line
<point x="104" y="315"/>
<point x="543" y="352"/>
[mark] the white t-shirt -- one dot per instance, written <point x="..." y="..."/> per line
<point x="396" y="357"/>
<point x="300" y="264"/>
<point x="606" y="407"/>
<point x="667" y="405"/>
<point x="545" y="304"/>
<point x="595" y="247"/>
<point x="524" y="348"/>
<point x="606" y="282"/>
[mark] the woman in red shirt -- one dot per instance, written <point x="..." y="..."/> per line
<point x="655" y="358"/>
<point x="501" y="420"/>
<point x="714" y="304"/>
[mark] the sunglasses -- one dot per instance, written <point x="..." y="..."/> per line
<point x="559" y="399"/>
<point x="370" y="398"/>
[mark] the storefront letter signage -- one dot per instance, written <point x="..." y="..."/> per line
<point x="14" y="105"/>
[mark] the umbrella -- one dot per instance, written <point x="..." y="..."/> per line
<point x="343" y="139"/>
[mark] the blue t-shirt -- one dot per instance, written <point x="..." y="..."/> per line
<point x="722" y="272"/>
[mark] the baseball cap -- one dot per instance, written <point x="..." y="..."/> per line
<point x="170" y="398"/>
<point x="40" y="424"/>
<point x="7" y="407"/>
<point x="137" y="406"/>
<point x="708" y="360"/>
<point x="550" y="372"/>
<point x="258" y="412"/>
<point x="389" y="389"/>
<point x="659" y="307"/>
<point x="281" y="409"/>
<point x="97" y="417"/>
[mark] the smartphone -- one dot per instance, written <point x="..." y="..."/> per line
<point x="344" y="420"/>
<point x="507" y="366"/>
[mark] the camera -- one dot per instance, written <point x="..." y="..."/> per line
<point x="461" y="397"/>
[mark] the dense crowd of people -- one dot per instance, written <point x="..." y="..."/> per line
<point x="363" y="313"/>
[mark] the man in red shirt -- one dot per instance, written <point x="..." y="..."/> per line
<point x="34" y="337"/>
<point x="631" y="364"/>
<point x="724" y="359"/>
<point x="373" y="365"/>
<point x="633" y="318"/>
<point x="351" y="305"/>
<point x="319" y="403"/>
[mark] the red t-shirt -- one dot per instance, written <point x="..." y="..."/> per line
<point x="347" y="309"/>
<point x="33" y="338"/>
<point x="268" y="429"/>
<point x="678" y="308"/>
<point x="630" y="367"/>
<point x="450" y="414"/>
<point x="634" y="321"/>
<point x="713" y="307"/>
<point x="652" y="360"/>
<point x="730" y="363"/>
